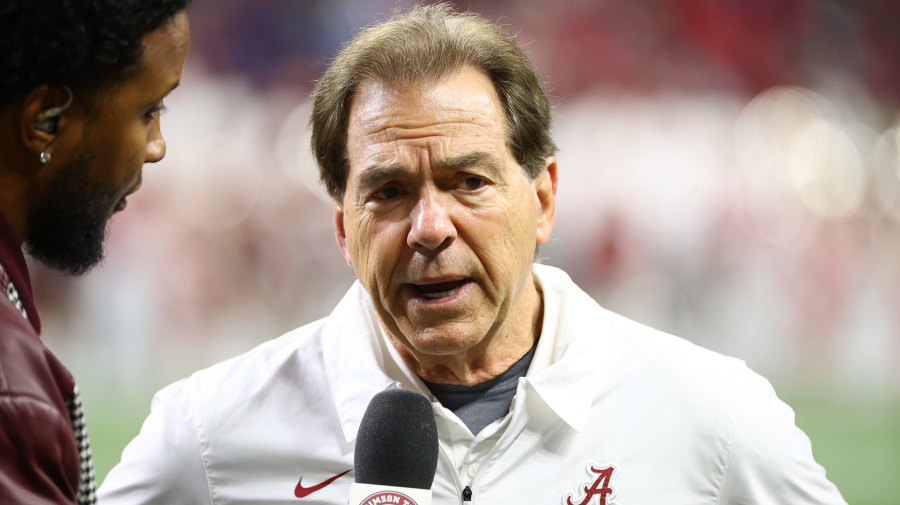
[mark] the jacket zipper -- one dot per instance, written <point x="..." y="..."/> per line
<point x="467" y="492"/>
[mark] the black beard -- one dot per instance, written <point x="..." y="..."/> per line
<point x="66" y="228"/>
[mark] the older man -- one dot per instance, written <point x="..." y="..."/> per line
<point x="432" y="134"/>
<point x="81" y="90"/>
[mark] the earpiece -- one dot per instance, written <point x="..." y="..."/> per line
<point x="48" y="120"/>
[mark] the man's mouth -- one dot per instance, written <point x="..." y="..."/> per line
<point x="120" y="206"/>
<point x="439" y="289"/>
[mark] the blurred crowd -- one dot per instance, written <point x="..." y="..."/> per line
<point x="729" y="172"/>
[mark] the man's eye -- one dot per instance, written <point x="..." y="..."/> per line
<point x="473" y="182"/>
<point x="155" y="111"/>
<point x="387" y="193"/>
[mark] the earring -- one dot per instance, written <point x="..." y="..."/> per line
<point x="45" y="157"/>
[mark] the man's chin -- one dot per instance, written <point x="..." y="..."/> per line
<point x="73" y="250"/>
<point x="68" y="263"/>
<point x="444" y="340"/>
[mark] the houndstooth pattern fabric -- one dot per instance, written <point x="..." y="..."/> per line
<point x="87" y="487"/>
<point x="14" y="296"/>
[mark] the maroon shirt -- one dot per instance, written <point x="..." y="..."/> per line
<point x="39" y="461"/>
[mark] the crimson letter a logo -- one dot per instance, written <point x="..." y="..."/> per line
<point x="600" y="486"/>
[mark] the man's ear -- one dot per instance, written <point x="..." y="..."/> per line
<point x="42" y="118"/>
<point x="545" y="187"/>
<point x="339" y="230"/>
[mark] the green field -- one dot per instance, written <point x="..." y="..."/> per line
<point x="857" y="440"/>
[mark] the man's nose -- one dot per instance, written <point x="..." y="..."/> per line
<point x="431" y="225"/>
<point x="156" y="145"/>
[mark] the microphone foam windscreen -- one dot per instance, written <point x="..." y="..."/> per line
<point x="397" y="443"/>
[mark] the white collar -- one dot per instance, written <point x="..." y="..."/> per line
<point x="353" y="359"/>
<point x="561" y="370"/>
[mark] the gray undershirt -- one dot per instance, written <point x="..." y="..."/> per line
<point x="480" y="405"/>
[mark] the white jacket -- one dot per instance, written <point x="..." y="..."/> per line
<point x="610" y="412"/>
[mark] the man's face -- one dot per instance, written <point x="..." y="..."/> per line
<point x="438" y="220"/>
<point x="120" y="133"/>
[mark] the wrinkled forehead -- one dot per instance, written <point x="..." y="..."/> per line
<point x="465" y="98"/>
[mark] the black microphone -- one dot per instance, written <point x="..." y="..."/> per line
<point x="396" y="451"/>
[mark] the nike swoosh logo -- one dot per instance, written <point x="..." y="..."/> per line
<point x="302" y="492"/>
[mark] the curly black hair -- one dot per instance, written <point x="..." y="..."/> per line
<point x="87" y="45"/>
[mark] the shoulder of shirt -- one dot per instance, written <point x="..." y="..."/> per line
<point x="697" y="369"/>
<point x="626" y="350"/>
<point x="298" y="349"/>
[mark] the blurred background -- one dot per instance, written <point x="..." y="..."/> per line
<point x="729" y="173"/>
